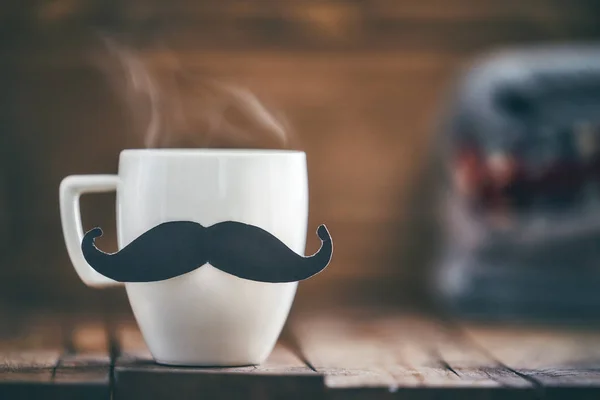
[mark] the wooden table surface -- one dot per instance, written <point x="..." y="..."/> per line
<point x="345" y="354"/>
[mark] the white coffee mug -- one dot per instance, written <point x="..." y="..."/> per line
<point x="205" y="317"/>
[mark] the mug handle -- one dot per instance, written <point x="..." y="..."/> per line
<point x="71" y="188"/>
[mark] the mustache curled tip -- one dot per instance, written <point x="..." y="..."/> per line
<point x="174" y="248"/>
<point x="322" y="232"/>
<point x="90" y="237"/>
<point x="94" y="233"/>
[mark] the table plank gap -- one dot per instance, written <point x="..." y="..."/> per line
<point x="392" y="354"/>
<point x="432" y="356"/>
<point x="466" y="357"/>
<point x="35" y="346"/>
<point x="84" y="368"/>
<point x="289" y="340"/>
<point x="341" y="350"/>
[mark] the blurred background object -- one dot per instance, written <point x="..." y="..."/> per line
<point x="359" y="83"/>
<point x="522" y="161"/>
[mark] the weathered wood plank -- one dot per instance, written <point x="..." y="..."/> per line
<point x="136" y="375"/>
<point x="29" y="354"/>
<point x="54" y="356"/>
<point x="344" y="352"/>
<point x="396" y="355"/>
<point x="32" y="350"/>
<point x="556" y="358"/>
<point x="341" y="354"/>
<point x="443" y="357"/>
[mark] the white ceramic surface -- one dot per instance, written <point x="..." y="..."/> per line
<point x="205" y="317"/>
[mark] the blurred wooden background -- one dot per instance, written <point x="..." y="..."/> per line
<point x="360" y="81"/>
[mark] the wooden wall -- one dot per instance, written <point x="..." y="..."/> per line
<point x="359" y="81"/>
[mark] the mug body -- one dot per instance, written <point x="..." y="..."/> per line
<point x="208" y="317"/>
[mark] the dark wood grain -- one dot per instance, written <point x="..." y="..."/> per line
<point x="342" y="350"/>
<point x="404" y="356"/>
<point x="136" y="375"/>
<point x="54" y="356"/>
<point x="30" y="349"/>
<point x="446" y="358"/>
<point x="554" y="358"/>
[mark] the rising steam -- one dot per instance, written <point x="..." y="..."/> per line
<point x="173" y="108"/>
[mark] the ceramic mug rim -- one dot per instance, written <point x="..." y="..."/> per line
<point x="181" y="152"/>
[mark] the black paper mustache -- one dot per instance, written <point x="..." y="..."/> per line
<point x="175" y="248"/>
